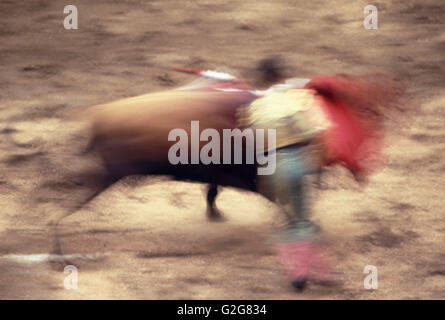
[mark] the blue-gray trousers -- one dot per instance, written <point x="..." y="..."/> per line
<point x="288" y="187"/>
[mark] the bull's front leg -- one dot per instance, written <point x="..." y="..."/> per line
<point x="212" y="212"/>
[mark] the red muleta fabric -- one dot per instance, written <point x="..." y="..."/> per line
<point x="355" y="138"/>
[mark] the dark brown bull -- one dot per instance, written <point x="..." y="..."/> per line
<point x="131" y="138"/>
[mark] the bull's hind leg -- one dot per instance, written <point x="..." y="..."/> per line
<point x="95" y="189"/>
<point x="70" y="194"/>
<point x="212" y="212"/>
<point x="76" y="192"/>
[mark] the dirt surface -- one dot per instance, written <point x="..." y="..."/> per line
<point x="147" y="237"/>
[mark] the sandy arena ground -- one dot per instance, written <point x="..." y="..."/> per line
<point x="147" y="237"/>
